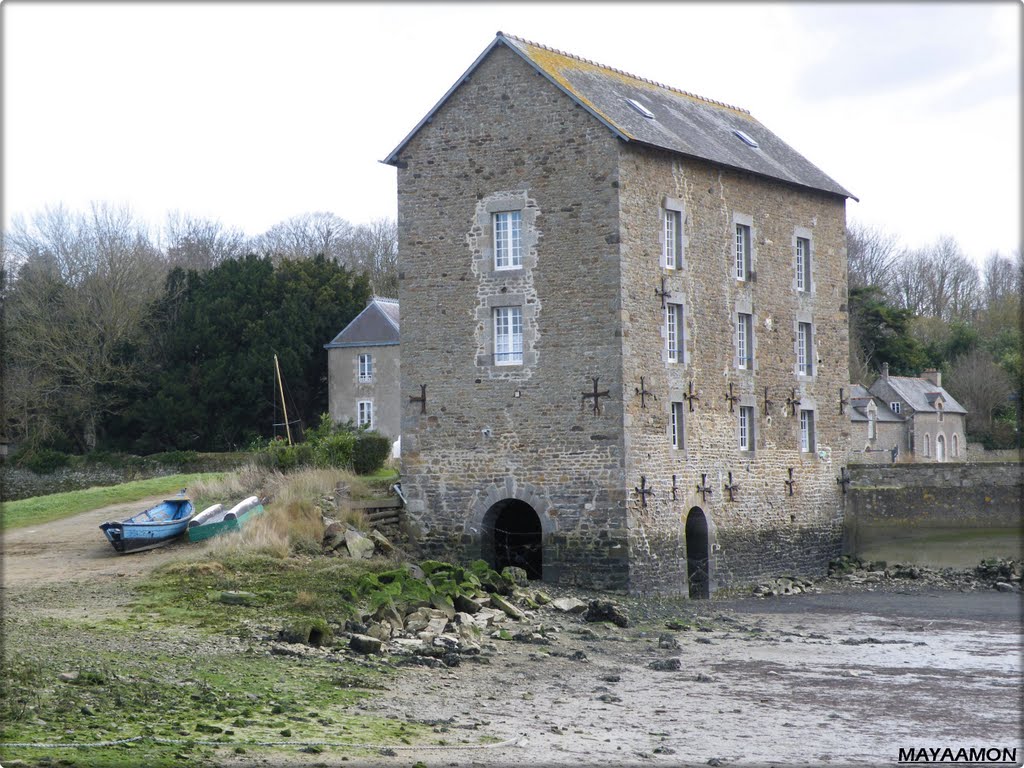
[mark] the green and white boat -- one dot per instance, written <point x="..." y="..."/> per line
<point x="215" y="520"/>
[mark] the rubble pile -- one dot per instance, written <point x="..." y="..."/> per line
<point x="1001" y="574"/>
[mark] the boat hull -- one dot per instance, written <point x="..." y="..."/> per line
<point x="226" y="522"/>
<point x="152" y="528"/>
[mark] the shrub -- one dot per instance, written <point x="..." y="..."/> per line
<point x="335" y="450"/>
<point x="42" y="461"/>
<point x="370" y="452"/>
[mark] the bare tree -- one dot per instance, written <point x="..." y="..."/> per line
<point x="74" y="312"/>
<point x="200" y="244"/>
<point x="308" y="235"/>
<point x="937" y="281"/>
<point x="981" y="386"/>
<point x="871" y="254"/>
<point x="376" y="248"/>
<point x="907" y="289"/>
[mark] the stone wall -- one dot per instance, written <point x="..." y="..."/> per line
<point x="762" y="530"/>
<point x="507" y="140"/>
<point x="951" y="495"/>
<point x="21" y="483"/>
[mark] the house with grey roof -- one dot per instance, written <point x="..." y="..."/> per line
<point x="364" y="370"/>
<point x="877" y="435"/>
<point x="626" y="334"/>
<point x="934" y="423"/>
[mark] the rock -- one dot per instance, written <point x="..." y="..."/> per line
<point x="603" y="610"/>
<point x="355" y="627"/>
<point x="569" y="605"/>
<point x="515" y="575"/>
<point x="506" y="607"/>
<point x="436" y="625"/>
<point x="577" y="656"/>
<point x="665" y="665"/>
<point x="390" y="614"/>
<point x="68" y="677"/>
<point x="666" y="640"/>
<point x="417" y="621"/>
<point x="1002" y="586"/>
<point x="444" y="604"/>
<point x="360" y="547"/>
<point x="415" y="571"/>
<point x="380" y="630"/>
<point x="381" y="542"/>
<point x="609" y="698"/>
<point x="464" y="604"/>
<point x="232" y="597"/>
<point x="365" y="644"/>
<point x="541" y="598"/>
<point x="702" y="678"/>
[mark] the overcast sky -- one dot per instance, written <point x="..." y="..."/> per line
<point x="251" y="113"/>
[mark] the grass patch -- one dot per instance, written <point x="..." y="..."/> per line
<point x="56" y="506"/>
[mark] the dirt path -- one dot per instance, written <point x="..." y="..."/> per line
<point x="75" y="549"/>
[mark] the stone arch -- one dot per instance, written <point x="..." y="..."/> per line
<point x="524" y="512"/>
<point x="699" y="563"/>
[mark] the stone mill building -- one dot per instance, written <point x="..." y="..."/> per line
<point x="625" y="336"/>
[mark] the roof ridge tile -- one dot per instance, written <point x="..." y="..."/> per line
<point x="593" y="63"/>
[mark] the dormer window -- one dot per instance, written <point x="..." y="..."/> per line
<point x="636" y="105"/>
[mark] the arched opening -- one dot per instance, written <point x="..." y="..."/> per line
<point x="513" y="533"/>
<point x="698" y="554"/>
<point x="956" y="447"/>
<point x="940" y="448"/>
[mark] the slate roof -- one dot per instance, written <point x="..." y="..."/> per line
<point x="920" y="394"/>
<point x="859" y="399"/>
<point x="683" y="122"/>
<point x="375" y="326"/>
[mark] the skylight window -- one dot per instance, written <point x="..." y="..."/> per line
<point x="640" y="108"/>
<point x="745" y="138"/>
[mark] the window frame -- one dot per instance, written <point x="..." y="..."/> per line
<point x="894" y="406"/>
<point x="672" y="242"/>
<point x="743" y="264"/>
<point x="808" y="439"/>
<point x="675" y="333"/>
<point x="677" y="425"/>
<point x="362" y="405"/>
<point x="746" y="428"/>
<point x="508" y="239"/>
<point x="744" y="340"/>
<point x="955" y="446"/>
<point x="365" y="372"/>
<point x="803" y="264"/>
<point x="805" y="349"/>
<point x="513" y="355"/>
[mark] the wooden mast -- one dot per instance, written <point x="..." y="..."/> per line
<point x="284" y="406"/>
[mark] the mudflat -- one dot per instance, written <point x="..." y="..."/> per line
<point x="843" y="675"/>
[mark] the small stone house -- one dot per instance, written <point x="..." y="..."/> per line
<point x="363" y="369"/>
<point x="626" y="331"/>
<point x="878" y="436"/>
<point x="934" y="424"/>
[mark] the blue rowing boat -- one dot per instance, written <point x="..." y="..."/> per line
<point x="151" y="528"/>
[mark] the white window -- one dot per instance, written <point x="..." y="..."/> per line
<point x="746" y="428"/>
<point x="508" y="248"/>
<point x="674" y="332"/>
<point x="742" y="265"/>
<point x="364" y="414"/>
<point x="677" y="425"/>
<point x="940" y="448"/>
<point x="804" y="349"/>
<point x="366" y="368"/>
<point x="803" y="264"/>
<point x="807" y="431"/>
<point x="927" y="445"/>
<point x="672" y="248"/>
<point x="894" y="407"/>
<point x="744" y="340"/>
<point x="508" y="335"/>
